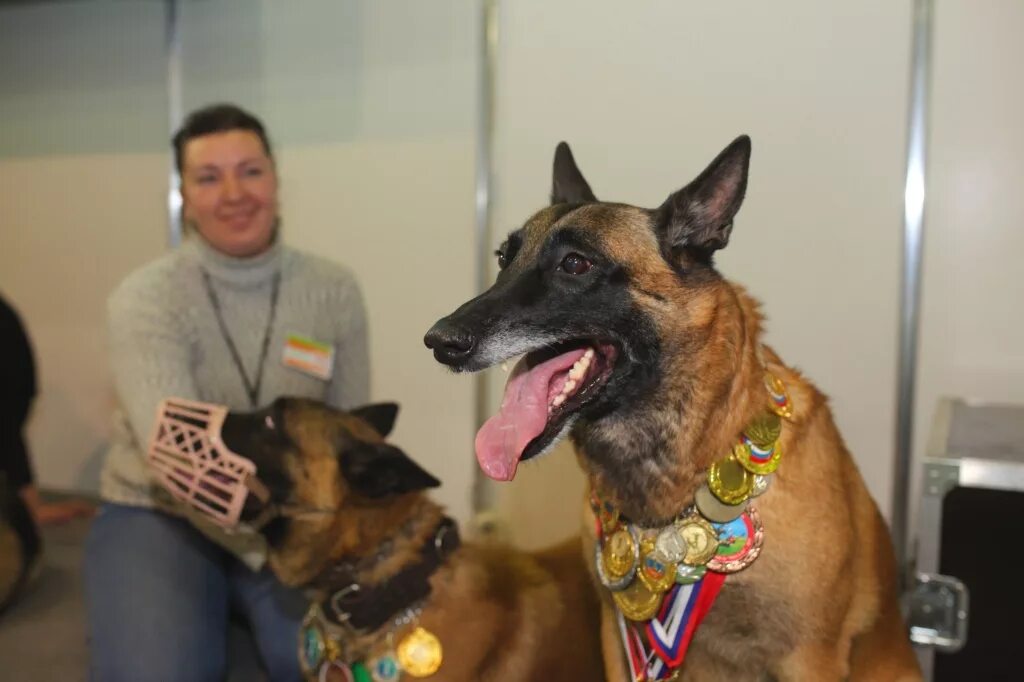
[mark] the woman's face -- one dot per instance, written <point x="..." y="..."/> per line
<point x="229" y="191"/>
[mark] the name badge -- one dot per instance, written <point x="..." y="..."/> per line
<point x="309" y="356"/>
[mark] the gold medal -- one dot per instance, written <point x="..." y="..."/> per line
<point x="729" y="481"/>
<point x="714" y="509"/>
<point x="756" y="460"/>
<point x="780" y="402"/>
<point x="619" y="554"/>
<point x="701" y="540"/>
<point x="764" y="430"/>
<point x="419" y="653"/>
<point x="637" y="602"/>
<point x="657" y="575"/>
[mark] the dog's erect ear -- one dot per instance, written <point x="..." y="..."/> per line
<point x="568" y="186"/>
<point x="699" y="216"/>
<point x="379" y="469"/>
<point x="381" y="416"/>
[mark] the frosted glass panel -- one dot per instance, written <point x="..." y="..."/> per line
<point x="82" y="77"/>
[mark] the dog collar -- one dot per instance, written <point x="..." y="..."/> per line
<point x="665" y="579"/>
<point x="365" y="608"/>
<point x="352" y="610"/>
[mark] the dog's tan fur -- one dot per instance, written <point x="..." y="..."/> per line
<point x="822" y="603"/>
<point x="500" y="614"/>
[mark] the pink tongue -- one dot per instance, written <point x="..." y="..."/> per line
<point x="522" y="417"/>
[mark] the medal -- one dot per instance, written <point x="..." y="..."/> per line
<point x="608" y="516"/>
<point x="613" y="584"/>
<point x="715" y="510"/>
<point x="701" y="540"/>
<point x="764" y="430"/>
<point x="617" y="559"/>
<point x="311" y="646"/>
<point x="335" y="671"/>
<point x="385" y="668"/>
<point x="757" y="460"/>
<point x="360" y="673"/>
<point x="687" y="575"/>
<point x="780" y="402"/>
<point x="637" y="602"/>
<point x="657" y="575"/>
<point x="761" y="484"/>
<point x="739" y="543"/>
<point x="729" y="481"/>
<point x="669" y="547"/>
<point x="419" y="653"/>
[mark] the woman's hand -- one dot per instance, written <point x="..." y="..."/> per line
<point x="54" y="513"/>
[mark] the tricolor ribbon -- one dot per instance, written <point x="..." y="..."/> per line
<point x="669" y="633"/>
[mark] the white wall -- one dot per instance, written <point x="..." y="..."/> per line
<point x="83" y="184"/>
<point x="648" y="93"/>
<point x="372" y="110"/>
<point x="972" y="318"/>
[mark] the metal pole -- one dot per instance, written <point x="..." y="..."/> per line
<point x="174" y="116"/>
<point x="910" y="298"/>
<point x="483" y="488"/>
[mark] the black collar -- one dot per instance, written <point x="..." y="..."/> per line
<point x="364" y="608"/>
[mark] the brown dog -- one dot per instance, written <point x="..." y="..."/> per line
<point x="353" y="513"/>
<point x="653" y="363"/>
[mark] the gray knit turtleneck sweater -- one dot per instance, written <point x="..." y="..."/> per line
<point x="165" y="341"/>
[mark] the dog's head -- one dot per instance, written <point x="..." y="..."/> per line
<point x="610" y="304"/>
<point x="336" y="481"/>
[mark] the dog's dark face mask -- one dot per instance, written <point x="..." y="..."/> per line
<point x="317" y="463"/>
<point x="600" y="299"/>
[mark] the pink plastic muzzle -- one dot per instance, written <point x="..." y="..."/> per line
<point x="191" y="461"/>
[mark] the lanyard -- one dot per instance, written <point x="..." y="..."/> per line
<point x="251" y="388"/>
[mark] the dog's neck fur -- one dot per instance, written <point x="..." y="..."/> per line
<point x="380" y="540"/>
<point x="650" y="459"/>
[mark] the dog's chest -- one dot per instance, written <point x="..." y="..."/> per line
<point x="744" y="633"/>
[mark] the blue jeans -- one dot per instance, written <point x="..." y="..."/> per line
<point x="159" y="596"/>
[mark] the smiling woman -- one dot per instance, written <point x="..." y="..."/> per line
<point x="232" y="317"/>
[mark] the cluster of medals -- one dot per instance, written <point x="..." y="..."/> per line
<point x="664" y="580"/>
<point x="325" y="659"/>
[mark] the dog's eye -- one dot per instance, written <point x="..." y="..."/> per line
<point x="575" y="264"/>
<point x="502" y="259"/>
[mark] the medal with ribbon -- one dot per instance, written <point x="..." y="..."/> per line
<point x="665" y="580"/>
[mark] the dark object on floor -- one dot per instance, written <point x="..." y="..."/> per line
<point x="20" y="544"/>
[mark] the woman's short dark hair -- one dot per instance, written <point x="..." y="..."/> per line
<point x="216" y="118"/>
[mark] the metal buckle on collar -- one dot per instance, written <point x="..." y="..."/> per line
<point x="439" y="538"/>
<point x="341" y="615"/>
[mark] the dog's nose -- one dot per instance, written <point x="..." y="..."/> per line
<point x="451" y="344"/>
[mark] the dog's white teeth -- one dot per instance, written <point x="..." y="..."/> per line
<point x="559" y="399"/>
<point x="589" y="354"/>
<point x="504" y="367"/>
<point x="569" y="386"/>
<point x="580" y="368"/>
